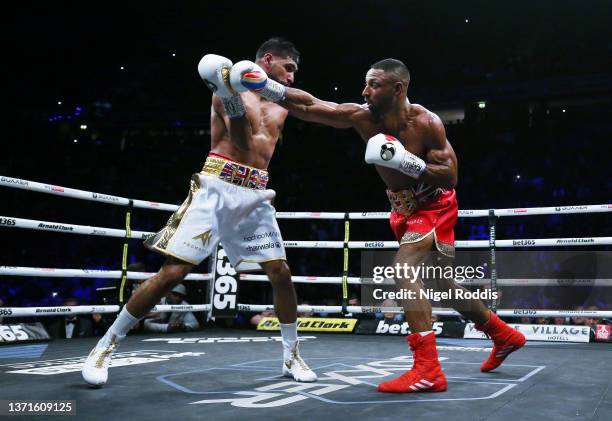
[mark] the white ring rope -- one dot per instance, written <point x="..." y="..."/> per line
<point x="64" y="310"/>
<point x="311" y="280"/>
<point x="9" y="222"/>
<point x="111" y="232"/>
<point x="87" y="273"/>
<point x="54" y="311"/>
<point x="439" y="312"/>
<point x="116" y="200"/>
<point x="81" y="194"/>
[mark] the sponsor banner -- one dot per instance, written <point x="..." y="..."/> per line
<point x="473" y="212"/>
<point x="383" y="327"/>
<point x="6" y="311"/>
<point x="55" y="227"/>
<point x="22" y="332"/>
<point x="528" y="242"/>
<point x="309" y="215"/>
<point x="224" y="291"/>
<point x="71" y="365"/>
<point x="575" y="240"/>
<point x="369" y="215"/>
<point x="553" y="210"/>
<point x="549" y="333"/>
<point x="570" y="208"/>
<point x="311" y="324"/>
<point x="603" y="333"/>
<point x="106" y="198"/>
<point x="224" y="340"/>
<point x="373" y="244"/>
<point x="7" y="181"/>
<point x="52" y="311"/>
<point x="9" y="222"/>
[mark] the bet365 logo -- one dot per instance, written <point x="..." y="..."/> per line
<point x="225" y="287"/>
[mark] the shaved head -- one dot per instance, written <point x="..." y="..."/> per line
<point x="394" y="68"/>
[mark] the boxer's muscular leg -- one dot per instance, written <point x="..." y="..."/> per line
<point x="285" y="306"/>
<point x="472" y="309"/>
<point x="418" y="310"/>
<point x="426" y="374"/>
<point x="285" y="301"/>
<point x="95" y="368"/>
<point x="172" y="272"/>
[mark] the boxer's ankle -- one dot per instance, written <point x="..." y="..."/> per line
<point x="119" y="329"/>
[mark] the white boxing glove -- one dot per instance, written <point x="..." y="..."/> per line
<point x="248" y="76"/>
<point x="215" y="71"/>
<point x="387" y="151"/>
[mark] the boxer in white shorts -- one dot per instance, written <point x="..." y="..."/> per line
<point x="228" y="203"/>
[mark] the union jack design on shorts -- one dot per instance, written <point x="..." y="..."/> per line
<point x="242" y="175"/>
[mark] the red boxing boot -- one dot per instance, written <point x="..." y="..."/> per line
<point x="505" y="341"/>
<point x="425" y="375"/>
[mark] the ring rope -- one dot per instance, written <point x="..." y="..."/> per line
<point x="10" y="222"/>
<point x="318" y="280"/>
<point x="116" y="200"/>
<point x="53" y="311"/>
<point x="439" y="312"/>
<point x="122" y="201"/>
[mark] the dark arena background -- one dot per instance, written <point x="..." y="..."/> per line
<point x="103" y="102"/>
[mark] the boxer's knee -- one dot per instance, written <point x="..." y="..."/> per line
<point x="278" y="272"/>
<point x="173" y="272"/>
<point x="417" y="252"/>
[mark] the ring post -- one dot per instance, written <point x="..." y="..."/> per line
<point x="128" y="235"/>
<point x="492" y="262"/>
<point x="345" y="264"/>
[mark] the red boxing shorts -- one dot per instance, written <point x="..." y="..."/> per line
<point x="416" y="213"/>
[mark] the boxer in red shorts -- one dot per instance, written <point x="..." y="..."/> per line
<point x="408" y="146"/>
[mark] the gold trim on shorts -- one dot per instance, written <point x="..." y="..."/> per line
<point x="160" y="241"/>
<point x="410" y="237"/>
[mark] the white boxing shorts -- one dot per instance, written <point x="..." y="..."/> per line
<point x="228" y="203"/>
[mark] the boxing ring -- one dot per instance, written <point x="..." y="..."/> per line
<point x="226" y="373"/>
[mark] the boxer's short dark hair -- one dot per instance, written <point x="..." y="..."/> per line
<point x="397" y="67"/>
<point x="279" y="47"/>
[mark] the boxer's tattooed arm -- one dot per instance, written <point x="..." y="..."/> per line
<point x="308" y="108"/>
<point x="441" y="169"/>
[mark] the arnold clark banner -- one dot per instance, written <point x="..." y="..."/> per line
<point x="311" y="324"/>
<point x="550" y="333"/>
